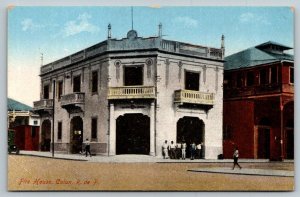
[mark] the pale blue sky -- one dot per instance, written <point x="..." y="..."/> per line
<point x="60" y="31"/>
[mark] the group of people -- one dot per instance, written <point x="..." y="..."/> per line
<point x="179" y="150"/>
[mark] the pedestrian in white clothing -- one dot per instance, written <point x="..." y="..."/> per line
<point x="183" y="149"/>
<point x="165" y="149"/>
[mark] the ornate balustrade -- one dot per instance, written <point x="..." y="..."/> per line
<point x="72" y="99"/>
<point x="44" y="104"/>
<point x="131" y="92"/>
<point x="193" y="97"/>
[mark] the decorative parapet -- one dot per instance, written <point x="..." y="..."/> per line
<point x="72" y="99"/>
<point x="137" y="43"/>
<point x="193" y="97"/>
<point x="131" y="92"/>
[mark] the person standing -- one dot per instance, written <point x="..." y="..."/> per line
<point x="192" y="149"/>
<point x="165" y="149"/>
<point x="199" y="151"/>
<point x="172" y="150"/>
<point x="87" y="148"/>
<point x="236" y="158"/>
<point x="183" y="150"/>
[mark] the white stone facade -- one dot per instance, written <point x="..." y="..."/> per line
<point x="164" y="71"/>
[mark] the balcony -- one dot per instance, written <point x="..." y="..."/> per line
<point x="43" y="106"/>
<point x="193" y="97"/>
<point x="73" y="102"/>
<point x="131" y="92"/>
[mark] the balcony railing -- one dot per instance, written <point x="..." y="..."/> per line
<point x="131" y="92"/>
<point x="193" y="97"/>
<point x="72" y="99"/>
<point x="44" y="104"/>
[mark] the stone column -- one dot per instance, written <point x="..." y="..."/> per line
<point x="152" y="130"/>
<point x="112" y="130"/>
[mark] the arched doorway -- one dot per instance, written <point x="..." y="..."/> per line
<point x="190" y="129"/>
<point x="46" y="135"/>
<point x="76" y="135"/>
<point x="133" y="134"/>
<point x="263" y="145"/>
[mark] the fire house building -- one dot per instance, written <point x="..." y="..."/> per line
<point x="127" y="96"/>
<point x="259" y="103"/>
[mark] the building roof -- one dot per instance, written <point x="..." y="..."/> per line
<point x="134" y="43"/>
<point x="13" y="105"/>
<point x="260" y="54"/>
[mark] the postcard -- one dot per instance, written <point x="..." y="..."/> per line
<point x="150" y="98"/>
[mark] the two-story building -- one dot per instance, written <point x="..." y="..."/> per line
<point x="259" y="103"/>
<point x="24" y="124"/>
<point x="130" y="95"/>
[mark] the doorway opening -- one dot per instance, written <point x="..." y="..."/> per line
<point x="133" y="134"/>
<point x="46" y="135"/>
<point x="76" y="135"/>
<point x="190" y="129"/>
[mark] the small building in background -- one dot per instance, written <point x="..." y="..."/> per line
<point x="24" y="123"/>
<point x="259" y="103"/>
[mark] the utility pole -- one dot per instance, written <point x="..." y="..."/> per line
<point x="53" y="112"/>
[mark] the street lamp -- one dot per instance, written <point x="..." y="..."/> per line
<point x="53" y="96"/>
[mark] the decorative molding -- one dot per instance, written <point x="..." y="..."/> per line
<point x="149" y="63"/>
<point x="167" y="71"/>
<point x="204" y="74"/>
<point x="180" y="70"/>
<point x="217" y="79"/>
<point x="118" y="64"/>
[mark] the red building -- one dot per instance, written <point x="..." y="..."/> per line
<point x="25" y="124"/>
<point x="259" y="103"/>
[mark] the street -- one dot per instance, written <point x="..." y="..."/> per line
<point x="37" y="173"/>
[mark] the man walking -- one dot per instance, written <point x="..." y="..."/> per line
<point x="87" y="147"/>
<point x="235" y="158"/>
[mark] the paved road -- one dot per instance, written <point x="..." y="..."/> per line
<point x="37" y="173"/>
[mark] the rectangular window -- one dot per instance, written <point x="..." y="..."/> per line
<point x="59" y="130"/>
<point x="94" y="128"/>
<point x="76" y="84"/>
<point x="239" y="80"/>
<point x="263" y="78"/>
<point x="59" y="89"/>
<point x="192" y="81"/>
<point x="33" y="132"/>
<point x="227" y="132"/>
<point x="46" y="91"/>
<point x="291" y="74"/>
<point x="250" y="79"/>
<point x="133" y="75"/>
<point x="95" y="82"/>
<point x="274" y="74"/>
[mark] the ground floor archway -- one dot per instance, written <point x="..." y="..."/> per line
<point x="190" y="129"/>
<point x="46" y="135"/>
<point x="76" y="135"/>
<point x="133" y="134"/>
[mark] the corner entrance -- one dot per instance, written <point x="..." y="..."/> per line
<point x="190" y="129"/>
<point x="46" y="135"/>
<point x="133" y="134"/>
<point x="76" y="135"/>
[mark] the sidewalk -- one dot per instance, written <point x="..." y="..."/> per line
<point x="246" y="171"/>
<point x="136" y="158"/>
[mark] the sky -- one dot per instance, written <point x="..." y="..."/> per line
<point x="60" y="31"/>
